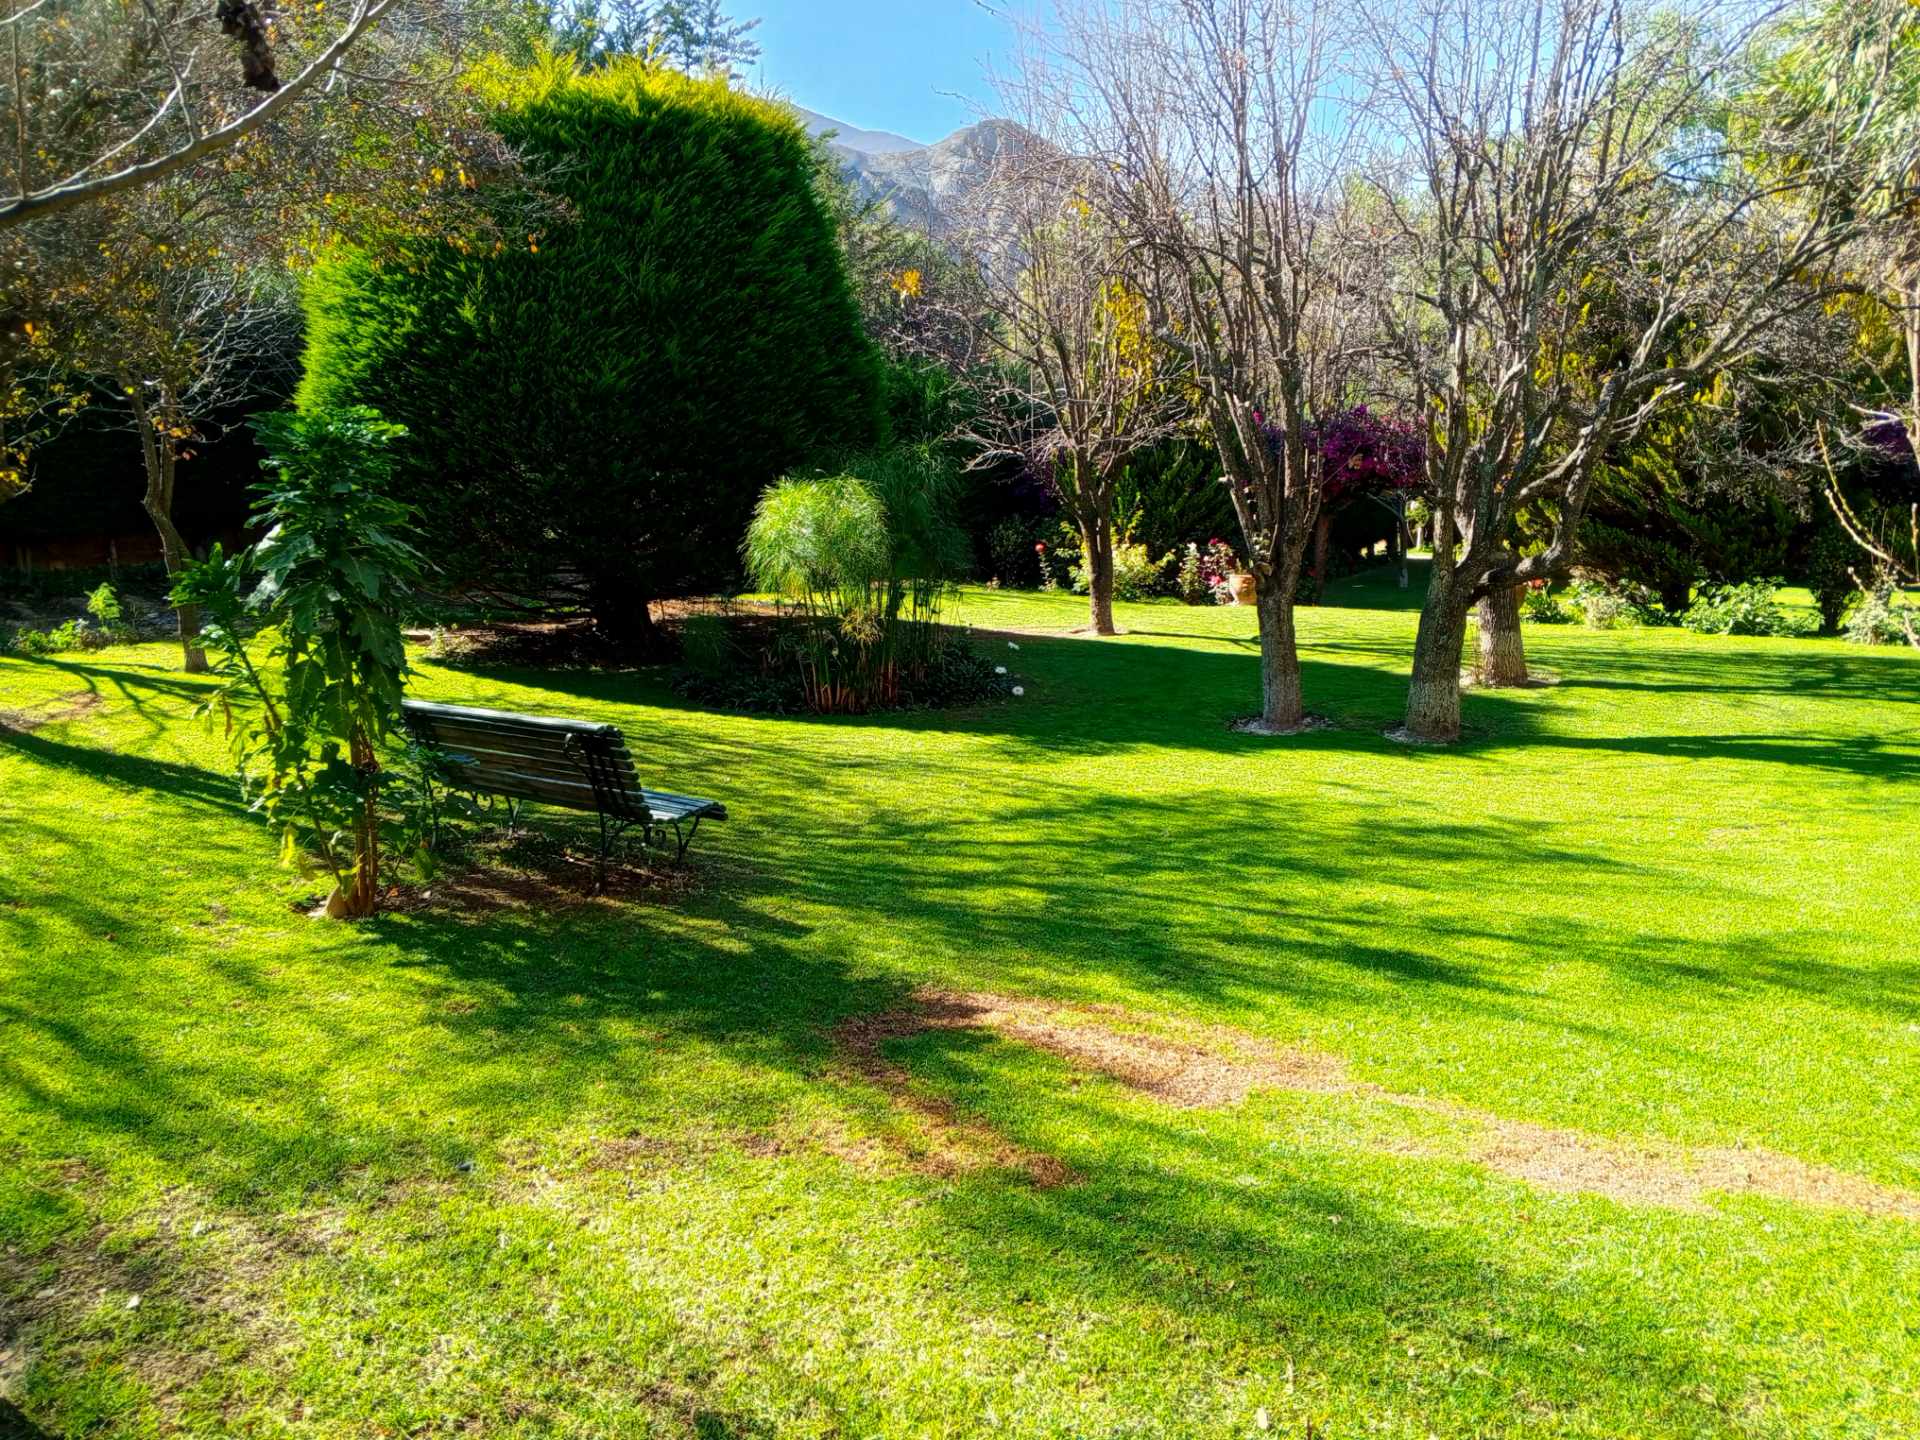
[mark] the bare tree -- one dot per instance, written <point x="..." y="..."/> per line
<point x="1844" y="46"/>
<point x="182" y="322"/>
<point x="1223" y="130"/>
<point x="391" y="144"/>
<point x="108" y="98"/>
<point x="209" y="339"/>
<point x="1072" y="382"/>
<point x="1556" y="164"/>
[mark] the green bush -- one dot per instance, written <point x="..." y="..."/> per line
<point x="1014" y="548"/>
<point x="1601" y="606"/>
<point x="1170" y="494"/>
<point x="592" y="409"/>
<point x="1881" y="618"/>
<point x="1830" y="561"/>
<point x="1540" y="605"/>
<point x="1136" y="574"/>
<point x="1748" y="609"/>
<point x="57" y="640"/>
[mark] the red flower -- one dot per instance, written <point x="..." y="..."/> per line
<point x="1040" y="546"/>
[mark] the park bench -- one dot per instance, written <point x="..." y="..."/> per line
<point x="572" y="763"/>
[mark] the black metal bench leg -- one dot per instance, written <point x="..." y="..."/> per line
<point x="609" y="833"/>
<point x="686" y="839"/>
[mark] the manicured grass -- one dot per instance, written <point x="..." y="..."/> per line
<point x="602" y="1170"/>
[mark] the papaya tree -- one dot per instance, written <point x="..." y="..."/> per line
<point x="306" y="627"/>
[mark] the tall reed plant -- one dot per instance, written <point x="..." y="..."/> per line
<point x="866" y="552"/>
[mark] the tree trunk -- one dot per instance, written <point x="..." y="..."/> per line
<point x="624" y="616"/>
<point x="1096" y="555"/>
<point x="1503" y="654"/>
<point x="1433" y="697"/>
<point x="1676" y="595"/>
<point x="157" y="455"/>
<point x="1280" y="700"/>
<point x="1322" y="539"/>
<point x="173" y="550"/>
<point x="362" y="896"/>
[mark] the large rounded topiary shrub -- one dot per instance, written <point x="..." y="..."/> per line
<point x="592" y="409"/>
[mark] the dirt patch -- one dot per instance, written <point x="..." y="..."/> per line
<point x="562" y="884"/>
<point x="1537" y="679"/>
<point x="1767" y="1172"/>
<point x="1177" y="1068"/>
<point x="1190" y="1066"/>
<point x="1400" y="735"/>
<point x="50" y="712"/>
<point x="1675" y="1177"/>
<point x="949" y="1143"/>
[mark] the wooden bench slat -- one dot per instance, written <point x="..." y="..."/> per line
<point x="528" y="742"/>
<point x="473" y="714"/>
<point x="682" y="807"/>
<point x="561" y="767"/>
<point x="555" y="792"/>
<point x="482" y="777"/>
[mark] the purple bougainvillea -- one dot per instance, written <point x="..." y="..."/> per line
<point x="1363" y="451"/>
<point x="1888" y="435"/>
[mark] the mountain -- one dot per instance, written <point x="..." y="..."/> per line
<point x="926" y="186"/>
<point x="848" y="137"/>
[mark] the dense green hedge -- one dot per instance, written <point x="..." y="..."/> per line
<point x="598" y="405"/>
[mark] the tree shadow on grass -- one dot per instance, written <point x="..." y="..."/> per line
<point x="1738" y="666"/>
<point x="1090" y="701"/>
<point x="153" y="692"/>
<point x="1308" y="1269"/>
<point x="14" y="1425"/>
<point x="1856" y="757"/>
<point x="191" y="784"/>
<point x="1081" y="698"/>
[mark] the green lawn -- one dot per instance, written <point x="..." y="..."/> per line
<point x="604" y="1169"/>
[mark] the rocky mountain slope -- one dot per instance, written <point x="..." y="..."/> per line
<point x="927" y="186"/>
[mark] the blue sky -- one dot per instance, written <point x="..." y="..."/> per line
<point x="915" y="67"/>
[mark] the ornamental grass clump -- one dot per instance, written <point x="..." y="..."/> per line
<point x="865" y="555"/>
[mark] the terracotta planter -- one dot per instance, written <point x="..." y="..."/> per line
<point x="1242" y="589"/>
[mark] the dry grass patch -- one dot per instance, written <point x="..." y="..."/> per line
<point x="1194" y="1068"/>
<point x="206" y="1274"/>
<point x="51" y="712"/>
<point x="1209" y="1067"/>
<point x="948" y="1143"/>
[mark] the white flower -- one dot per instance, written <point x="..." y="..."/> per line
<point x="1019" y="690"/>
<point x="1012" y="646"/>
<point x="999" y="669"/>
